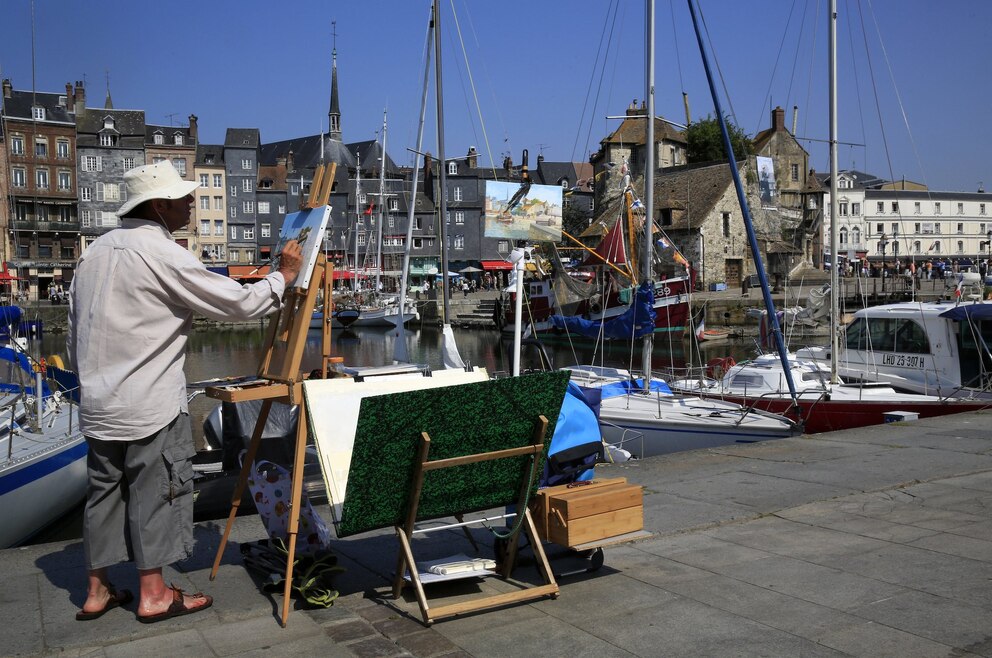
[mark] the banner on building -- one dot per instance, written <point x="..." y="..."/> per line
<point x="766" y="182"/>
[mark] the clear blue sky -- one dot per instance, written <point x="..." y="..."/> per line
<point x="537" y="75"/>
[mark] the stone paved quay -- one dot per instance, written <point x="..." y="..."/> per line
<point x="874" y="542"/>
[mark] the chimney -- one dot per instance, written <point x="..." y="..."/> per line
<point x="473" y="158"/>
<point x="795" y="117"/>
<point x="290" y="162"/>
<point x="193" y="130"/>
<point x="778" y="119"/>
<point x="429" y="177"/>
<point x="540" y="158"/>
<point x="8" y="89"/>
<point x="80" y="94"/>
<point x="69" y="100"/>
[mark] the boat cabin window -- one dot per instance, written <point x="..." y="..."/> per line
<point x="973" y="355"/>
<point x="887" y="335"/>
<point x="747" y="381"/>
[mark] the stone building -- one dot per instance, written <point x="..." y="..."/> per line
<point x="210" y="216"/>
<point x="178" y="145"/>
<point x="40" y="135"/>
<point x="241" y="152"/>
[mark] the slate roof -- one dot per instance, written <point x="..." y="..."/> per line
<point x="129" y="125"/>
<point x="19" y="105"/>
<point x="245" y="138"/>
<point x="860" y="178"/>
<point x="306" y="152"/>
<point x="633" y="130"/>
<point x="707" y="183"/>
<point x="370" y="151"/>
<point x="168" y="135"/>
<point x="275" y="175"/>
<point x="216" y="151"/>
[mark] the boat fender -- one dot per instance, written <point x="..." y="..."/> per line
<point x="56" y="361"/>
<point x="718" y="367"/>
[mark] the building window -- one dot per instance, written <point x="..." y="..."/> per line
<point x="180" y="165"/>
<point x="92" y="163"/>
<point x="204" y="227"/>
<point x="248" y="206"/>
<point x="219" y="227"/>
<point x="856" y="235"/>
<point x="84" y="218"/>
<point x="17" y="146"/>
<point x="85" y="194"/>
<point x="108" y="139"/>
<point x="204" y="203"/>
<point x="18" y="177"/>
<point x="362" y="198"/>
<point x="726" y="224"/>
<point x="936" y="247"/>
<point x="856" y="208"/>
<point x="246" y="185"/>
<point x="263" y="208"/>
<point x="459" y="217"/>
<point x="842" y="209"/>
<point x="41" y="148"/>
<point x="452" y="168"/>
<point x="233" y="255"/>
<point x="916" y="208"/>
<point x="249" y="233"/>
<point x="936" y="208"/>
<point x="960" y="208"/>
<point x="960" y="246"/>
<point x="361" y="239"/>
<point x="266" y="230"/>
<point x="294" y="189"/>
<point x="282" y="209"/>
<point x="177" y="139"/>
<point x="880" y="207"/>
<point x="234" y="212"/>
<point x="246" y="164"/>
<point x="895" y="206"/>
<point x="62" y="149"/>
<point x="204" y="180"/>
<point x="41" y="179"/>
<point x="794" y="172"/>
<point x="217" y="181"/>
<point x="157" y="159"/>
<point x="38" y="113"/>
<point x="917" y="246"/>
<point x="249" y="255"/>
<point x="459" y="242"/>
<point x="960" y="228"/>
<point x="158" y="139"/>
<point x="108" y="192"/>
<point x="128" y="164"/>
<point x="916" y="227"/>
<point x="218" y="203"/>
<point x="981" y="209"/>
<point x="458" y="193"/>
<point x="234" y="190"/>
<point x="842" y="238"/>
<point x="65" y="180"/>
<point x="234" y="232"/>
<point x="394" y="205"/>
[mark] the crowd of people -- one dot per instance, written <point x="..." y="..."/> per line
<point x="930" y="269"/>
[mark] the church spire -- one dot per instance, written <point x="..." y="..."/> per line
<point x="109" y="103"/>
<point x="334" y="114"/>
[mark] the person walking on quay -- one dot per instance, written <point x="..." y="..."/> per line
<point x="131" y="306"/>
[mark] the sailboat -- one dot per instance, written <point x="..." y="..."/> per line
<point x="815" y="396"/>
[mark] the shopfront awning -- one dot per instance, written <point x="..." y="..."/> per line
<point x="491" y="265"/>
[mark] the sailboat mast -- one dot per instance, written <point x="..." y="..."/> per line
<point x="648" y="185"/>
<point x="358" y="216"/>
<point x="834" y="276"/>
<point x="441" y="164"/>
<point x="382" y="202"/>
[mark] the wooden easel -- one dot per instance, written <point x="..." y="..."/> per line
<point x="280" y="368"/>
<point x="406" y="561"/>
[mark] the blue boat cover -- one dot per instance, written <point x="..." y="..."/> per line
<point x="627" y="387"/>
<point x="10" y="316"/>
<point x="636" y="322"/>
<point x="966" y="311"/>
<point x="576" y="445"/>
<point x="9" y="354"/>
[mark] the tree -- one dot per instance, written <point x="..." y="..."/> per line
<point x="573" y="221"/>
<point x="705" y="143"/>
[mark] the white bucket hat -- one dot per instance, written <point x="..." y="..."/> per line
<point x="154" y="181"/>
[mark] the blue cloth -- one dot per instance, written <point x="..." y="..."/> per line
<point x="636" y="322"/>
<point x="632" y="386"/>
<point x="576" y="445"/>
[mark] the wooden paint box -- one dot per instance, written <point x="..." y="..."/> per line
<point x="571" y="516"/>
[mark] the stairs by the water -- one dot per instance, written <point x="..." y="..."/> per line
<point x="475" y="313"/>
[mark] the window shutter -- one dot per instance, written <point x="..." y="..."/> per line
<point x="123" y="190"/>
<point x="99" y="191"/>
<point x="99" y="163"/>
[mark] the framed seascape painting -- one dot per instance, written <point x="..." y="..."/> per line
<point x="533" y="215"/>
<point x="306" y="227"/>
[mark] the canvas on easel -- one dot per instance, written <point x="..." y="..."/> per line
<point x="307" y="227"/>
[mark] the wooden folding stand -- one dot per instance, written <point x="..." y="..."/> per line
<point x="407" y="564"/>
<point x="282" y="382"/>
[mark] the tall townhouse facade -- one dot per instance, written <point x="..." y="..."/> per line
<point x="241" y="151"/>
<point x="109" y="143"/>
<point x="211" y="204"/>
<point x="40" y="136"/>
<point x="176" y="144"/>
<point x="5" y="231"/>
<point x="271" y="207"/>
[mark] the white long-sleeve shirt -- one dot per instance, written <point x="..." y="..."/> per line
<point x="131" y="307"/>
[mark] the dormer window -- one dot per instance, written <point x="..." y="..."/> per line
<point x="38" y="113"/>
<point x="108" y="139"/>
<point x="452" y="168"/>
<point x="178" y="139"/>
<point x="564" y="183"/>
<point x="157" y="138"/>
<point x="108" y="122"/>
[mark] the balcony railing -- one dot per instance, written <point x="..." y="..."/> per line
<point x="48" y="227"/>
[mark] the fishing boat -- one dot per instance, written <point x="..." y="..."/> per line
<point x="42" y="451"/>
<point x="383" y="314"/>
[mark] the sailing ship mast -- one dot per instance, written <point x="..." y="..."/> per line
<point x="648" y="279"/>
<point x="358" y="218"/>
<point x="834" y="281"/>
<point x="382" y="202"/>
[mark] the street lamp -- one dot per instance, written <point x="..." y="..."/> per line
<point x="882" y="244"/>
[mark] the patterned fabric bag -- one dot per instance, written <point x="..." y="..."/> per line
<point x="271" y="489"/>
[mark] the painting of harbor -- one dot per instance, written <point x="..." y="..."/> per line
<point x="533" y="215"/>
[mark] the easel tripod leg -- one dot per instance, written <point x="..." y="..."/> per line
<point x="256" y="439"/>
<point x="294" y="509"/>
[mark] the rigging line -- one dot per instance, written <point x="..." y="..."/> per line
<point x="475" y="95"/>
<point x="809" y="84"/>
<point x="902" y="107"/>
<point x="716" y="60"/>
<point x="857" y="86"/>
<point x="795" y="58"/>
<point x="585" y="101"/>
<point x="778" y="56"/>
<point x="602" y="73"/>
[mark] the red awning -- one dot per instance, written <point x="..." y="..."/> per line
<point x="347" y="275"/>
<point x="496" y="265"/>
